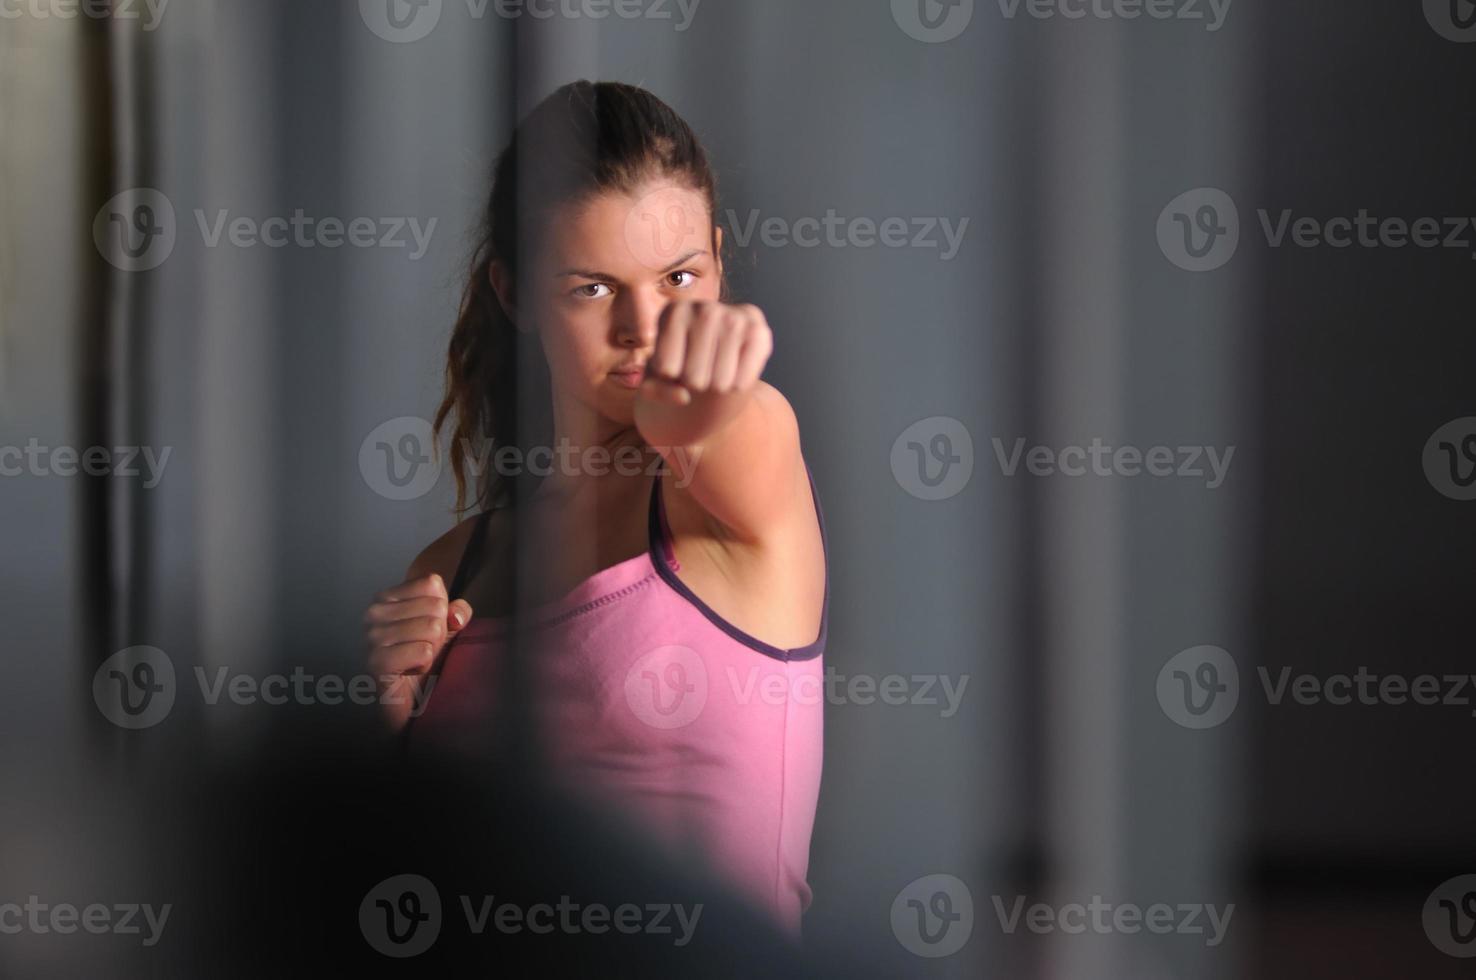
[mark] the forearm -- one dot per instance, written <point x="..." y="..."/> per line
<point x="704" y="402"/>
<point x="746" y="470"/>
<point x="700" y="423"/>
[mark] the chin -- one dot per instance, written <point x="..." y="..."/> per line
<point x="618" y="409"/>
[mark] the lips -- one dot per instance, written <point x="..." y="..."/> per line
<point x="629" y="375"/>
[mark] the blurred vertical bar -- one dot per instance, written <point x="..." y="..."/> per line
<point x="97" y="625"/>
<point x="238" y="399"/>
<point x="1082" y="374"/>
<point x="128" y="327"/>
<point x="1133" y="569"/>
<point x="426" y="106"/>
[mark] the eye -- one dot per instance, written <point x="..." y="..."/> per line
<point x="682" y="272"/>
<point x="579" y="291"/>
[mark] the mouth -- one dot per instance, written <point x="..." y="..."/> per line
<point x="629" y="375"/>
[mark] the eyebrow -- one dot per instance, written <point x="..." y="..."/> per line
<point x="592" y="274"/>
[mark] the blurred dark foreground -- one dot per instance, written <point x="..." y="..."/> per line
<point x="303" y="860"/>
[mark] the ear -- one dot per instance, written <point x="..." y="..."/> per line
<point x="717" y="247"/>
<point x="501" y="278"/>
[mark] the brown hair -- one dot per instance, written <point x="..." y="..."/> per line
<point x="585" y="139"/>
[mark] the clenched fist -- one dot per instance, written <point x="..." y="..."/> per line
<point x="407" y="627"/>
<point x="706" y="347"/>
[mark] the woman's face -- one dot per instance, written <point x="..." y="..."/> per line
<point x="608" y="267"/>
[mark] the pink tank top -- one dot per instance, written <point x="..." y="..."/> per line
<point x="648" y="699"/>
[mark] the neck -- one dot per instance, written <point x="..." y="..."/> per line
<point x="588" y="451"/>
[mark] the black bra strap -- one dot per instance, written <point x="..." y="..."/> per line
<point x="471" y="557"/>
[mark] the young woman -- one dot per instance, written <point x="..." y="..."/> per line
<point x="675" y="620"/>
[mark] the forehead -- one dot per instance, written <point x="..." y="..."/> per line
<point x="646" y="230"/>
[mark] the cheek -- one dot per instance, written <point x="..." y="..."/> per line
<point x="573" y="341"/>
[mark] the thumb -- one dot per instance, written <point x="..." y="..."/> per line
<point x="458" y="615"/>
<point x="664" y="391"/>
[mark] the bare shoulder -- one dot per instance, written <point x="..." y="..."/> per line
<point x="443" y="555"/>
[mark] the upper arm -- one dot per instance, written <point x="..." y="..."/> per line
<point x="750" y="477"/>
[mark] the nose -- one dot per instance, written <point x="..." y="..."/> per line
<point x="636" y="314"/>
